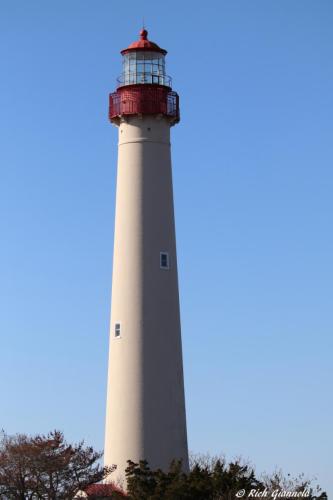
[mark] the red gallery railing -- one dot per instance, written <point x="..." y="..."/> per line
<point x="145" y="100"/>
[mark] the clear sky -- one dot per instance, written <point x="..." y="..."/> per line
<point x="253" y="182"/>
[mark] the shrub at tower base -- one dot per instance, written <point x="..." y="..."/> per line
<point x="47" y="467"/>
<point x="214" y="479"/>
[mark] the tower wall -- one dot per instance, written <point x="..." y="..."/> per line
<point x="145" y="403"/>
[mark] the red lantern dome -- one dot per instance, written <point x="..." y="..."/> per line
<point x="144" y="44"/>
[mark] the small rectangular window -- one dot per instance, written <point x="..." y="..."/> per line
<point x="164" y="260"/>
<point x="117" y="330"/>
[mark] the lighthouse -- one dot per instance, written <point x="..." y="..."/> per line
<point x="145" y="414"/>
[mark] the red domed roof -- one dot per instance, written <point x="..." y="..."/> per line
<point x="143" y="44"/>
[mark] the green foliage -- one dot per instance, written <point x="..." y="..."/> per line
<point x="201" y="483"/>
<point x="210" y="479"/>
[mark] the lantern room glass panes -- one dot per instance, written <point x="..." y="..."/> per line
<point x="144" y="67"/>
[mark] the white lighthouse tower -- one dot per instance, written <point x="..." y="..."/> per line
<point x="145" y="415"/>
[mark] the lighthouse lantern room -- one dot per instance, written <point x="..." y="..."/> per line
<point x="143" y="86"/>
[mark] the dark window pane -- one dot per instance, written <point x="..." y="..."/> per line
<point x="164" y="262"/>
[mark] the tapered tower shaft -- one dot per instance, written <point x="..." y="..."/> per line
<point x="145" y="403"/>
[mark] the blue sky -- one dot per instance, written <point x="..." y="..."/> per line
<point x="253" y="185"/>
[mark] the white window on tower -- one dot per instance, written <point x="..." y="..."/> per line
<point x="164" y="260"/>
<point x="117" y="330"/>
